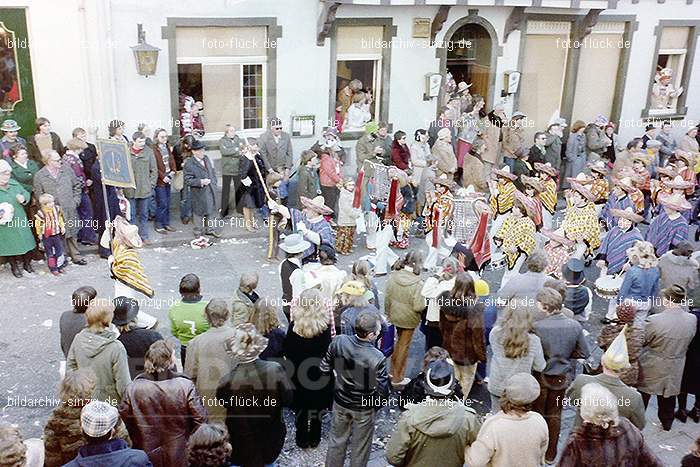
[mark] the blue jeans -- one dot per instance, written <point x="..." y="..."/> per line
<point x="162" y="206"/>
<point x="186" y="203"/>
<point x="139" y="214"/>
<point x="509" y="162"/>
<point x="152" y="205"/>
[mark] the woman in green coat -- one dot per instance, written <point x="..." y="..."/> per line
<point x="23" y="168"/>
<point x="16" y="239"/>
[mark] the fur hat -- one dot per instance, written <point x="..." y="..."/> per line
<point x="246" y="343"/>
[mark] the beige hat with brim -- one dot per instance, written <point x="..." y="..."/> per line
<point x="628" y="214"/>
<point x="318" y="205"/>
<point x="246" y="344"/>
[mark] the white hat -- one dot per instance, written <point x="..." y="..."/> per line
<point x="294" y="243"/>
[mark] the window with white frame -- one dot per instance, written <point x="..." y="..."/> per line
<point x="358" y="60"/>
<point x="670" y="62"/>
<point x="226" y="69"/>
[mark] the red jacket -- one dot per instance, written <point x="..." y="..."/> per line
<point x="400" y="156"/>
<point x="329" y="171"/>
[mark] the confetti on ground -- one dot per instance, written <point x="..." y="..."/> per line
<point x="174" y="267"/>
<point x="47" y="324"/>
<point x="666" y="447"/>
<point x="51" y="294"/>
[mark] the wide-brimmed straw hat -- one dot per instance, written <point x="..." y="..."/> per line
<point x="533" y="182"/>
<point x="462" y="86"/>
<point x="580" y="178"/>
<point x="555" y="237"/>
<point x="504" y="172"/>
<point x="598" y="166"/>
<point x="246" y="343"/>
<point x="675" y="201"/>
<point x="686" y="156"/>
<point x="582" y="190"/>
<point x="294" y="243"/>
<point x="668" y="171"/>
<point x="546" y="168"/>
<point x="127" y="234"/>
<point x="528" y="202"/>
<point x="318" y="205"/>
<point x="679" y="183"/>
<point x="445" y="181"/>
<point x="624" y="182"/>
<point x="627" y="213"/>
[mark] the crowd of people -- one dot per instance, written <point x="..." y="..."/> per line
<point x="468" y="194"/>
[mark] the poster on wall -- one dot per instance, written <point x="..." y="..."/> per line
<point x="115" y="163"/>
<point x="16" y="84"/>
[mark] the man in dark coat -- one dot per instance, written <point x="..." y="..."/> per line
<point x="200" y="176"/>
<point x="135" y="340"/>
<point x="73" y="321"/>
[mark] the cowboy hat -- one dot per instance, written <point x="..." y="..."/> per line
<point x="533" y="182"/>
<point x="504" y="172"/>
<point x="546" y="168"/>
<point x="294" y="243"/>
<point x="444" y="180"/>
<point x="127" y="234"/>
<point x="10" y="125"/>
<point x="528" y="202"/>
<point x="585" y="192"/>
<point x="317" y="205"/>
<point x="668" y="171"/>
<point x="598" y="166"/>
<point x="462" y="86"/>
<point x="246" y="343"/>
<point x="555" y="237"/>
<point x="675" y="201"/>
<point x="679" y="183"/>
<point x="627" y="213"/>
<point x="624" y="182"/>
<point x="7" y="212"/>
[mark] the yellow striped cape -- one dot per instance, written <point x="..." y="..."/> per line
<point x="128" y="270"/>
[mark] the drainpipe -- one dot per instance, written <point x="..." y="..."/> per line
<point x="91" y="127"/>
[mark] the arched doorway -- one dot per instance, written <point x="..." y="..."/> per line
<point x="469" y="58"/>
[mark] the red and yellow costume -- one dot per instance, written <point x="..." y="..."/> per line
<point x="517" y="237"/>
<point x="438" y="212"/>
<point x="581" y="225"/>
<point x="600" y="189"/>
<point x="502" y="202"/>
<point x="549" y="195"/>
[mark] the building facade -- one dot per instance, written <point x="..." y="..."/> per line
<point x="249" y="60"/>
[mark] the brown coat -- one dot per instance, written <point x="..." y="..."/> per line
<point x="162" y="172"/>
<point x="621" y="446"/>
<point x="445" y="157"/>
<point x="635" y="341"/>
<point x="666" y="340"/>
<point x="161" y="411"/>
<point x="462" y="328"/>
<point x="473" y="173"/>
<point x="513" y="141"/>
<point x="403" y="302"/>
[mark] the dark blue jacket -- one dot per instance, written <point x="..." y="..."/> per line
<point x="114" y="453"/>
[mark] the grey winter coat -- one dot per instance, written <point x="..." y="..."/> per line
<point x="66" y="190"/>
<point x="145" y="174"/>
<point x="596" y="141"/>
<point x="108" y="359"/>
<point x="668" y="144"/>
<point x="666" y="339"/>
<point x="678" y="270"/>
<point x="203" y="197"/>
<point x="230" y="149"/>
<point x="276" y="155"/>
<point x="553" y="150"/>
<point x="575" y="154"/>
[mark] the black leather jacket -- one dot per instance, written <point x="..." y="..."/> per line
<point x="361" y="375"/>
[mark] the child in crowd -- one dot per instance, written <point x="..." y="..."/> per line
<point x="50" y="228"/>
<point x="347" y="218"/>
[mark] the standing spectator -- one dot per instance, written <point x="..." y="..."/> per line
<point x="103" y="214"/>
<point x="63" y="436"/>
<point x="614" y="361"/>
<point x="99" y="421"/>
<point x="403" y="305"/>
<point x="690" y="384"/>
<point x="327" y="273"/>
<point x="611" y="151"/>
<point x="353" y="300"/>
<point x="361" y="380"/>
<point x="290" y="270"/>
<point x="244" y="300"/>
<point x="182" y="152"/>
<point x="330" y="176"/>
<point x="161" y="408"/>
<point x="634" y="335"/>
<point x="420" y="157"/>
<point x="88" y="156"/>
<point x="515" y="435"/>
<point x="385" y="141"/>
<point x="10" y="138"/>
<point x="443" y="154"/>
<point x="666" y="339"/>
<point x="135" y="340"/>
<point x="207" y="361"/>
<point x="641" y="282"/>
<point x="605" y="438"/>
<point x="415" y="392"/>
<point x="596" y="141"/>
<point x="576" y="150"/>
<point x="253" y="423"/>
<point x="308" y="183"/>
<point x="250" y="196"/>
<point x="265" y="320"/>
<point x="400" y="154"/>
<point x="43" y="141"/>
<point x="16" y="239"/>
<point x="187" y="318"/>
<point x="442" y="122"/>
<point x="433" y="287"/>
<point x="306" y="343"/>
<point x="165" y="163"/>
<point x="553" y="143"/>
<point x="367" y="146"/>
<point x="276" y="148"/>
<point x="60" y="181"/>
<point x="209" y="446"/>
<point x="97" y="347"/>
<point x="538" y="150"/>
<point x="668" y="142"/>
<point x="73" y="321"/>
<point x="346" y="94"/>
<point x="23" y="168"/>
<point x="526" y="285"/>
<point x="200" y="177"/>
<point x="441" y="428"/>
<point x="74" y="147"/>
<point x="50" y="228"/>
<point x="677" y="267"/>
<point x="649" y="134"/>
<point x="516" y="349"/>
<point x="513" y="139"/>
<point x="143" y="163"/>
<point x="116" y="129"/>
<point x="230" y="146"/>
<point x="562" y="341"/>
<point x="462" y="328"/>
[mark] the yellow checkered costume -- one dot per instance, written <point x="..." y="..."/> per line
<point x="503" y="201"/>
<point x="517" y="237"/>
<point x="581" y="225"/>
<point x="549" y="196"/>
<point x="600" y="189"/>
